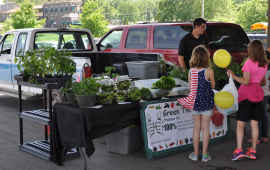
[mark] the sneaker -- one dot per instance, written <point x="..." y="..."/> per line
<point x="193" y="157"/>
<point x="238" y="155"/>
<point x="250" y="154"/>
<point x="206" y="158"/>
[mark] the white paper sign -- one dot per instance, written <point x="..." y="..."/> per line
<point x="170" y="125"/>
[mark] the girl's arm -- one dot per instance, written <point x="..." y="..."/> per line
<point x="210" y="75"/>
<point x="245" y="80"/>
<point x="189" y="79"/>
<point x="263" y="82"/>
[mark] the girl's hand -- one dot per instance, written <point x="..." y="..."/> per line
<point x="230" y="72"/>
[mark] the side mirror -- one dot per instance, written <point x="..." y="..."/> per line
<point x="100" y="47"/>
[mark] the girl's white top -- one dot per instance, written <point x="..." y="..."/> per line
<point x="266" y="86"/>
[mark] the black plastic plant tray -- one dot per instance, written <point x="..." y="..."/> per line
<point x="21" y="78"/>
<point x="41" y="80"/>
<point x="40" y="116"/>
<point x="38" y="148"/>
<point x="42" y="150"/>
<point x="53" y="80"/>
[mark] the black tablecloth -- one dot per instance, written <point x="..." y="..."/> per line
<point x="77" y="127"/>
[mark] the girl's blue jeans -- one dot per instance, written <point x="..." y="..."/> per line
<point x="263" y="125"/>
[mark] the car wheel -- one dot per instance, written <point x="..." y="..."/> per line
<point x="56" y="97"/>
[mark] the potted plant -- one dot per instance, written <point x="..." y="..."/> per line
<point x="86" y="91"/>
<point x="134" y="95"/>
<point x="119" y="97"/>
<point x="179" y="72"/>
<point x="146" y="93"/>
<point x="123" y="85"/>
<point x="69" y="92"/>
<point x="44" y="62"/>
<point x="105" y="98"/>
<point x="107" y="85"/>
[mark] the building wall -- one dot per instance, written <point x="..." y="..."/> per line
<point x="59" y="18"/>
<point x="6" y="7"/>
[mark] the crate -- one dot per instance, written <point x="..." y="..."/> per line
<point x="125" y="141"/>
<point x="143" y="69"/>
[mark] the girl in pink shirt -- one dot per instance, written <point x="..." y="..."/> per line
<point x="250" y="97"/>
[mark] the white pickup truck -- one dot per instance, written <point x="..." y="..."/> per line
<point x="79" y="41"/>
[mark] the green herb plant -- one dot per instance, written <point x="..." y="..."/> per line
<point x="179" y="72"/>
<point x="164" y="83"/>
<point x="146" y="93"/>
<point x="87" y="86"/>
<point x="235" y="67"/>
<point x="44" y="61"/>
<point x="107" y="88"/>
<point x="134" y="95"/>
<point x="119" y="97"/>
<point x="123" y="85"/>
<point x="163" y="67"/>
<point x="105" y="98"/>
<point x="108" y="72"/>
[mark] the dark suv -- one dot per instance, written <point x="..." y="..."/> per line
<point x="165" y="37"/>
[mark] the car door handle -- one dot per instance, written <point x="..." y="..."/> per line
<point x="8" y="59"/>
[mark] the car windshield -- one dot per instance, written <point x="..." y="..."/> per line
<point x="229" y="37"/>
<point x="63" y="40"/>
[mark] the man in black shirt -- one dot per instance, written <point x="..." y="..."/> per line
<point x="190" y="41"/>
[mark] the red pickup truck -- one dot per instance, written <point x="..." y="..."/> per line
<point x="165" y="38"/>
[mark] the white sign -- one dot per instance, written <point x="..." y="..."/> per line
<point x="170" y="125"/>
<point x="76" y="15"/>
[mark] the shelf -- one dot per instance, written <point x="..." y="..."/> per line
<point x="40" y="116"/>
<point x="42" y="150"/>
<point x="44" y="83"/>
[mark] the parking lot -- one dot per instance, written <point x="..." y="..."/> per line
<point x="13" y="158"/>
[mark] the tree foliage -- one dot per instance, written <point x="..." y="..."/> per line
<point x="251" y="12"/>
<point x="25" y="17"/>
<point x="93" y="19"/>
<point x="188" y="10"/>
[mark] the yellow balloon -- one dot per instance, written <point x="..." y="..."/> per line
<point x="222" y="58"/>
<point x="224" y="99"/>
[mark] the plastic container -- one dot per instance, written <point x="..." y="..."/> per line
<point x="125" y="141"/>
<point x="143" y="69"/>
<point x="184" y="89"/>
<point x="120" y="68"/>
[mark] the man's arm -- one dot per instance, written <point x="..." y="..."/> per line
<point x="182" y="61"/>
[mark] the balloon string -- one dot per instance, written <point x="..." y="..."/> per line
<point x="226" y="68"/>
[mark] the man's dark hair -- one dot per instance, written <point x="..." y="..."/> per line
<point x="198" y="22"/>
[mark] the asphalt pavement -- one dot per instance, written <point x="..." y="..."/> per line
<point x="11" y="158"/>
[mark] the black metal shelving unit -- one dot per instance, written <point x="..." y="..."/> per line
<point x="42" y="148"/>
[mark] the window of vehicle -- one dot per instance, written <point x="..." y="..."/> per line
<point x="112" y="40"/>
<point x="63" y="40"/>
<point x="137" y="38"/>
<point x="168" y="37"/>
<point x="21" y="43"/>
<point x="262" y="37"/>
<point x="6" y="45"/>
<point x="228" y="37"/>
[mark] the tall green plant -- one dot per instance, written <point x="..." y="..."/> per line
<point x="180" y="73"/>
<point x="88" y="86"/>
<point x="45" y="61"/>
